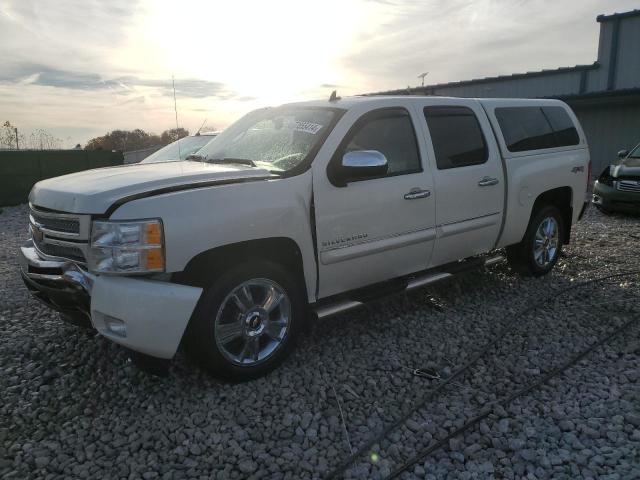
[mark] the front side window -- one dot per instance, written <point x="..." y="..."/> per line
<point x="456" y="136"/>
<point x="633" y="159"/>
<point x="279" y="139"/>
<point x="390" y="132"/>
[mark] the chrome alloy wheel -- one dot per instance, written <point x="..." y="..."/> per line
<point x="545" y="246"/>
<point x="252" y="321"/>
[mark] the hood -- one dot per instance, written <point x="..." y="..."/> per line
<point x="94" y="191"/>
<point x="625" y="171"/>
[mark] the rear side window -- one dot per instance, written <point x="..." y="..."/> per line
<point x="456" y="136"/>
<point x="536" y="128"/>
<point x="563" y="127"/>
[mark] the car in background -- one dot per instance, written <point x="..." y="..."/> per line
<point x="181" y="149"/>
<point x="618" y="187"/>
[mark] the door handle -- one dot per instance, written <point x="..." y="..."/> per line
<point x="416" y="193"/>
<point x="488" y="181"/>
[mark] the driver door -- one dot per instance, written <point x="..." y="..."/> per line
<point x="374" y="229"/>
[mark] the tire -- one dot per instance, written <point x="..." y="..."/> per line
<point x="603" y="210"/>
<point x="525" y="256"/>
<point x="252" y="307"/>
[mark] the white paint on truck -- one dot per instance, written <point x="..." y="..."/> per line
<point x="420" y="214"/>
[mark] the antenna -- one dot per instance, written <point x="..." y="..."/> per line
<point x="422" y="75"/>
<point x="198" y="132"/>
<point x="175" y="107"/>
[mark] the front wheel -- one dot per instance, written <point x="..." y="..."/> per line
<point x="247" y="321"/>
<point x="540" y="248"/>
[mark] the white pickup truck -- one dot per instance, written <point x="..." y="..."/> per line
<point x="307" y="207"/>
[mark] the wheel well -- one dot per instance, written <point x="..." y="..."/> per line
<point x="202" y="269"/>
<point x="561" y="198"/>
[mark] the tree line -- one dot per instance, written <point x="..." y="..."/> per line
<point x="127" y="140"/>
<point x="12" y="139"/>
<point x="124" y="140"/>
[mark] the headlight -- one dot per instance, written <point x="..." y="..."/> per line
<point x="127" y="246"/>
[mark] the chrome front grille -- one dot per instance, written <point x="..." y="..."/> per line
<point x="60" y="251"/>
<point x="628" y="185"/>
<point x="64" y="225"/>
<point x="60" y="235"/>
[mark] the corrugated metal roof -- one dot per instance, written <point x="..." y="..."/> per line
<point x="475" y="81"/>
<point x="617" y="69"/>
<point x="613" y="16"/>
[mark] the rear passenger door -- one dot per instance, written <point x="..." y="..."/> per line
<point x="468" y="176"/>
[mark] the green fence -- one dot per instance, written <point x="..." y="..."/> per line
<point x="21" y="169"/>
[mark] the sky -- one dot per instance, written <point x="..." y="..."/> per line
<point x="80" y="68"/>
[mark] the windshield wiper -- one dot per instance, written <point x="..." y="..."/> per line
<point x="241" y="161"/>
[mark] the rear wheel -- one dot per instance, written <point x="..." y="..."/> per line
<point x="540" y="248"/>
<point x="247" y="321"/>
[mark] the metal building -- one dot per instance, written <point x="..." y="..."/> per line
<point x="604" y="95"/>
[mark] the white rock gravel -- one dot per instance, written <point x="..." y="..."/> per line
<point x="73" y="406"/>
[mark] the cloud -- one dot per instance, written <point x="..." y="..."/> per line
<point x="95" y="65"/>
<point x="463" y="39"/>
<point x="43" y="75"/>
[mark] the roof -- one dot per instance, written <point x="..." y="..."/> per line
<point x="350" y="102"/>
<point x="513" y="76"/>
<point x="345" y="103"/>
<point x="625" y="92"/>
<point x="614" y="16"/>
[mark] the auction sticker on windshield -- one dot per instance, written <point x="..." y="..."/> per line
<point x="307" y="127"/>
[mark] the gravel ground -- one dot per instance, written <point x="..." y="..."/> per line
<point x="73" y="405"/>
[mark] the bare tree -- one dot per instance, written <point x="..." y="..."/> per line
<point x="12" y="139"/>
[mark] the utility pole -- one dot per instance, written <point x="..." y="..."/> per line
<point x="422" y="75"/>
<point x="17" y="144"/>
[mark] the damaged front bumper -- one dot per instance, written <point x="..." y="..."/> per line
<point x="60" y="284"/>
<point x="147" y="316"/>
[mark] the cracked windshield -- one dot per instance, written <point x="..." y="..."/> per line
<point x="278" y="139"/>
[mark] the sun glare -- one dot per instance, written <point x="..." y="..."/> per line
<point x="270" y="51"/>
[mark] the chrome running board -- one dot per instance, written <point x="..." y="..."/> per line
<point x="427" y="280"/>
<point x="494" y="260"/>
<point x="341" y="306"/>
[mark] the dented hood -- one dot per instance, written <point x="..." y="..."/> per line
<point x="94" y="191"/>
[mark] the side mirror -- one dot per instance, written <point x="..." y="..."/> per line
<point x="623" y="153"/>
<point x="361" y="164"/>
